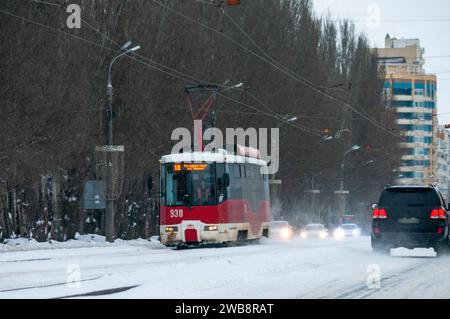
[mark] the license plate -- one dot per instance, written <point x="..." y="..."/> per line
<point x="409" y="221"/>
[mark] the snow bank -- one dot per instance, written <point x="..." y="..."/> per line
<point x="80" y="241"/>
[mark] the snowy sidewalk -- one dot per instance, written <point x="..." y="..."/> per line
<point x="80" y="241"/>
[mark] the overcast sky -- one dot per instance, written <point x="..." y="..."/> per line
<point x="427" y="20"/>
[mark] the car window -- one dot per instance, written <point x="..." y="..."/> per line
<point x="409" y="197"/>
<point x="314" y="227"/>
<point x="279" y="225"/>
<point x="347" y="227"/>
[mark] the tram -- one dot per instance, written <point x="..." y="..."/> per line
<point x="218" y="197"/>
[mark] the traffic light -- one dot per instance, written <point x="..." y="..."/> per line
<point x="233" y="2"/>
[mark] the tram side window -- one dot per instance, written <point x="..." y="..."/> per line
<point x="221" y="183"/>
<point x="259" y="184"/>
<point x="235" y="171"/>
<point x="247" y="181"/>
<point x="252" y="183"/>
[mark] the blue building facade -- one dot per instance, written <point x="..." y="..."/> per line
<point x="413" y="96"/>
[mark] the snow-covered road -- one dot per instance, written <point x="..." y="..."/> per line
<point x="271" y="270"/>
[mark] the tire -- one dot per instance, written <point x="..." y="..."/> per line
<point x="380" y="248"/>
<point x="442" y="249"/>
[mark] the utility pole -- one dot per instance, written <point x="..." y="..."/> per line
<point x="109" y="216"/>
<point x="342" y="195"/>
<point x="275" y="184"/>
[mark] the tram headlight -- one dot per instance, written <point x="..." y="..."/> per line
<point x="211" y="228"/>
<point x="171" y="229"/>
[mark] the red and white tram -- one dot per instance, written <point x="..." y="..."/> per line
<point x="213" y="198"/>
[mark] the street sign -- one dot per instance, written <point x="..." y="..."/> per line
<point x="94" y="195"/>
<point x="110" y="148"/>
<point x="110" y="169"/>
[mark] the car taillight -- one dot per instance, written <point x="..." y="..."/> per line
<point x="437" y="213"/>
<point x="379" y="213"/>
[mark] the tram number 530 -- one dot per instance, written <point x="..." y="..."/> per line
<point x="176" y="213"/>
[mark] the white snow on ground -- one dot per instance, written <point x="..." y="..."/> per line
<point x="271" y="270"/>
<point x="80" y="241"/>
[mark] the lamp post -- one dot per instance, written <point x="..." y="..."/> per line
<point x="354" y="148"/>
<point x="109" y="88"/>
<point x="341" y="194"/>
<point x="274" y="184"/>
<point x="286" y="119"/>
<point x="109" y="216"/>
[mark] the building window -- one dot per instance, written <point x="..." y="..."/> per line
<point x="425" y="128"/>
<point x="415" y="116"/>
<point x="402" y="104"/>
<point x="402" y="91"/>
<point x="419" y="139"/>
<point x="415" y="175"/>
<point x="417" y="151"/>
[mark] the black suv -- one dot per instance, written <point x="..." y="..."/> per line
<point x="410" y="217"/>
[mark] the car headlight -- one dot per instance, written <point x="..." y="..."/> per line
<point x="339" y="233"/>
<point x="303" y="235"/>
<point x="323" y="234"/>
<point x="171" y="229"/>
<point x="356" y="232"/>
<point x="285" y="233"/>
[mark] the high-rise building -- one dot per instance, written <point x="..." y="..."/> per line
<point x="412" y="92"/>
<point x="443" y="161"/>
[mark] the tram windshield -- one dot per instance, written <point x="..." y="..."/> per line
<point x="189" y="184"/>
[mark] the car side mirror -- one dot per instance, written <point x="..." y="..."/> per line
<point x="375" y="205"/>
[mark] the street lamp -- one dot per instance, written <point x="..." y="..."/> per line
<point x="275" y="185"/>
<point x="338" y="134"/>
<point x="285" y="120"/>
<point x="109" y="88"/>
<point x="327" y="138"/>
<point x="354" y="148"/>
<point x="109" y="216"/>
<point x="236" y="86"/>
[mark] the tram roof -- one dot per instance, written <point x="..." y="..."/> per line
<point x="204" y="157"/>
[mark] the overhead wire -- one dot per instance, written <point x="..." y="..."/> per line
<point x="186" y="76"/>
<point x="183" y="77"/>
<point x="290" y="74"/>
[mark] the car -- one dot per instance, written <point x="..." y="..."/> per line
<point x="314" y="231"/>
<point x="281" y="230"/>
<point x="410" y="217"/>
<point x="347" y="230"/>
